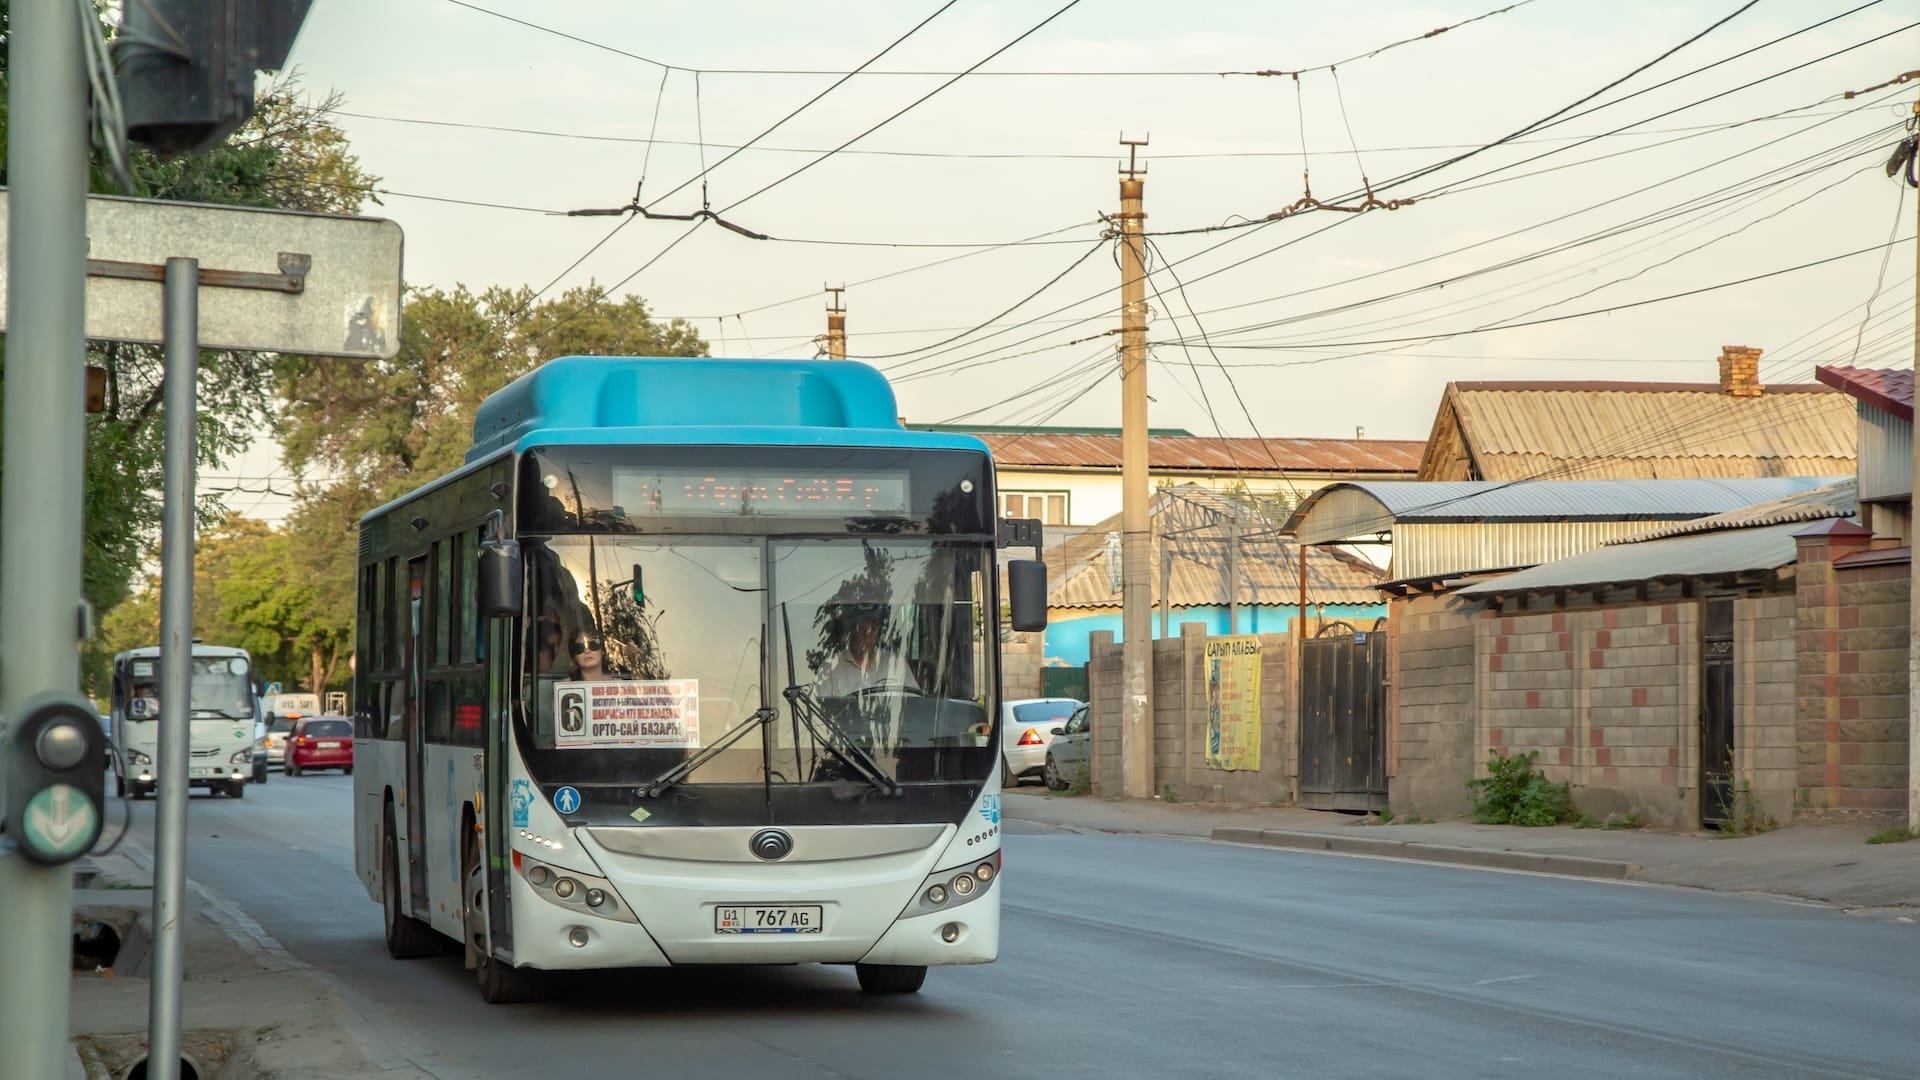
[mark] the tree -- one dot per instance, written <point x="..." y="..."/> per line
<point x="289" y="156"/>
<point x="383" y="428"/>
<point x="390" y="424"/>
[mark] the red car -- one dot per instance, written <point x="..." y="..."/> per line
<point x="320" y="742"/>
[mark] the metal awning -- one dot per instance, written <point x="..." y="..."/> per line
<point x="1714" y="554"/>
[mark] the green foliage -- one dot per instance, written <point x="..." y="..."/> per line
<point x="1613" y="822"/>
<point x="1512" y="793"/>
<point x="1167" y="794"/>
<point x="1896" y="834"/>
<point x="289" y="155"/>
<point x="1746" y="817"/>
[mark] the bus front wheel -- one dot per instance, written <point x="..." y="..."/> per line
<point x="407" y="937"/>
<point x="500" y="983"/>
<point x="891" y="978"/>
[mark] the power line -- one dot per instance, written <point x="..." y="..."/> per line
<point x="916" y="103"/>
<point x="771" y="128"/>
<point x="1015" y="156"/>
<point x="1428" y="35"/>
<point x="1605" y="310"/>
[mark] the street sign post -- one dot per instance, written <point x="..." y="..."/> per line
<point x="271" y="280"/>
<point x="229" y="278"/>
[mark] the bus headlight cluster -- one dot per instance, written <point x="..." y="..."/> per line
<point x="139" y="758"/>
<point x="241" y="757"/>
<point x="575" y="891"/>
<point x="951" y="888"/>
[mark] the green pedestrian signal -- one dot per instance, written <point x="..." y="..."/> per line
<point x="56" y="778"/>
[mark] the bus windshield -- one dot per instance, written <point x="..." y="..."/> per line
<point x="813" y="652"/>
<point x="221" y="687"/>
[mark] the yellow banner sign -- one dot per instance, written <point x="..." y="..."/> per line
<point x="1233" y="703"/>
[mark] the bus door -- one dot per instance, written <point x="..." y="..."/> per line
<point x="415" y="732"/>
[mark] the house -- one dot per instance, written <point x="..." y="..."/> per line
<point x="1667" y="675"/>
<point x="1069" y="478"/>
<point x="1448" y="661"/>
<point x="1510" y="431"/>
<point x="1217" y="561"/>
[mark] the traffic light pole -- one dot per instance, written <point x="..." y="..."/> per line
<point x="42" y="496"/>
<point x="182" y="333"/>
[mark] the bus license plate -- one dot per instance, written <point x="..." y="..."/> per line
<point x="207" y="770"/>
<point x="330" y="744"/>
<point x="767" y="919"/>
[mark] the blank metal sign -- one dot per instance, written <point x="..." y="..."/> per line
<point x="348" y="303"/>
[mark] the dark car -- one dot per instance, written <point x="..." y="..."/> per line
<point x="320" y="742"/>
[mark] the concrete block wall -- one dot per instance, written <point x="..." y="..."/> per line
<point x="1180" y="722"/>
<point x="1430" y="719"/>
<point x="1766" y="718"/>
<point x="1606" y="697"/>
<point x="1021" y="656"/>
<point x="1852" y="704"/>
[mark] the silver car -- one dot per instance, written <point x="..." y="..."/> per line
<point x="275" y="740"/>
<point x="1026" y="728"/>
<point x="1070" y="752"/>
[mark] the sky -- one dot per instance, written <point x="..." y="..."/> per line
<point x="1737" y="156"/>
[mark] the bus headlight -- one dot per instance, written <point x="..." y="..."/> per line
<point x="951" y="888"/>
<point x="241" y="757"/>
<point x="139" y="758"/>
<point x="584" y="894"/>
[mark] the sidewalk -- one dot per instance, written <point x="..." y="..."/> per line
<point x="248" y="1008"/>
<point x="1831" y="864"/>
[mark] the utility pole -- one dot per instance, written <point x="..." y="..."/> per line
<point x="1913" y="640"/>
<point x="42" y="509"/>
<point x="836" y="324"/>
<point x="1136" y="519"/>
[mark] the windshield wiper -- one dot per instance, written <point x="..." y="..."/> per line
<point x="659" y="785"/>
<point x="800" y="701"/>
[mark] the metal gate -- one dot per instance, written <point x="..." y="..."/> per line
<point x="1068" y="682"/>
<point x="1343" y="738"/>
<point x="1716" y="714"/>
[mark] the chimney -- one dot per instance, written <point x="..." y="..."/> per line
<point x="1740" y="371"/>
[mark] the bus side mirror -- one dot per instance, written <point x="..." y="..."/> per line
<point x="500" y="579"/>
<point x="1027" y="593"/>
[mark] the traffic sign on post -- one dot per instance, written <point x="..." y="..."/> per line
<point x="270" y="280"/>
<point x="189" y="277"/>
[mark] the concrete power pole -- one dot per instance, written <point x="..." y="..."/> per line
<point x="836" y="324"/>
<point x="1136" y="519"/>
<point x="1913" y="639"/>
<point x="42" y="509"/>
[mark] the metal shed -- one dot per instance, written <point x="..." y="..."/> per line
<point x="1443" y="529"/>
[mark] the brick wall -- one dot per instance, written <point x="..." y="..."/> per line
<point x="1430" y="719"/>
<point x="1766" y="731"/>
<point x="1180" y="722"/>
<point x="1608" y="699"/>
<point x="1852" y="702"/>
<point x="1020" y="659"/>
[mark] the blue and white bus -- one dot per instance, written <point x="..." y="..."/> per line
<point x="692" y="662"/>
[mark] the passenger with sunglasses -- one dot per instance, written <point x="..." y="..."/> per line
<point x="589" y="652"/>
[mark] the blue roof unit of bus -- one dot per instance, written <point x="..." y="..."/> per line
<point x="635" y="399"/>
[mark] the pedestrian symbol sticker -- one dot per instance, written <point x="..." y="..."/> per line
<point x="566" y="800"/>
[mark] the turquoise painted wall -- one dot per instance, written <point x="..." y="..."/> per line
<point x="1067" y="634"/>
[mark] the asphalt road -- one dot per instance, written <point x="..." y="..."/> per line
<point x="1128" y="956"/>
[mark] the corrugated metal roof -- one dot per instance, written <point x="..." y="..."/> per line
<point x="1700" y="555"/>
<point x="1889" y="389"/>
<point x="1513" y="431"/>
<point x="1173" y="453"/>
<point x="1362" y="508"/>
<point x="1835" y="500"/>
<point x="1081" y="575"/>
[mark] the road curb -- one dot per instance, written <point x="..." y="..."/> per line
<point x="1537" y="862"/>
